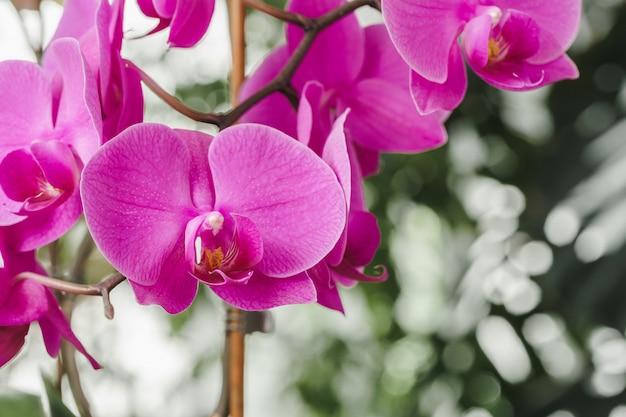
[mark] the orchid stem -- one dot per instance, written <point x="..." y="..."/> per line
<point x="235" y="336"/>
<point x="102" y="289"/>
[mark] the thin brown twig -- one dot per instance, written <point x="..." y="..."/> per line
<point x="280" y="14"/>
<point x="236" y="354"/>
<point x="102" y="289"/>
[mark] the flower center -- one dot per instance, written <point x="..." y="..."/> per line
<point x="212" y="259"/>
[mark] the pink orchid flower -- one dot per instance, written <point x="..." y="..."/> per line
<point x="188" y="20"/>
<point x="50" y="126"/>
<point x="513" y="45"/>
<point x="23" y="302"/>
<point x="97" y="26"/>
<point x="246" y="212"/>
<point x="361" y="237"/>
<point x="359" y="69"/>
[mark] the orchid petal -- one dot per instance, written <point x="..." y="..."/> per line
<point x="557" y="21"/>
<point x="55" y="325"/>
<point x="289" y="193"/>
<point x="424" y="34"/>
<point x="27" y="303"/>
<point x="26" y="92"/>
<point x="476" y="37"/>
<point x="190" y="22"/>
<point x="382" y="60"/>
<point x="394" y="126"/>
<point x="523" y="76"/>
<point x="11" y="341"/>
<point x="430" y="97"/>
<point x="336" y="55"/>
<point x="261" y="292"/>
<point x="137" y="199"/>
<point x="327" y="292"/>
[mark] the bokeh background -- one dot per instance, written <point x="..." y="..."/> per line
<point x="505" y="248"/>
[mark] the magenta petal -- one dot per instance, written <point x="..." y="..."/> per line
<point x="336" y="56"/>
<point x="246" y="249"/>
<point x="174" y="289"/>
<point x="382" y="60"/>
<point x="58" y="163"/>
<point x="20" y="175"/>
<point x="25" y="104"/>
<point x="476" y="35"/>
<point x="200" y="177"/>
<point x="27" y="303"/>
<point x="384" y="119"/>
<point x="11" y="341"/>
<point x="45" y="226"/>
<point x="363" y="238"/>
<point x="274" y="110"/>
<point x="425" y="33"/>
<point x="262" y="292"/>
<point x="137" y="199"/>
<point x="290" y="194"/>
<point x="522" y="76"/>
<point x="147" y="8"/>
<point x="520" y="33"/>
<point x="79" y="118"/>
<point x="558" y="23"/>
<point x="54" y="325"/>
<point x="327" y="292"/>
<point x="431" y="97"/>
<point x="190" y="22"/>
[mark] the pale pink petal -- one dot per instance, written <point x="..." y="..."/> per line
<point x="431" y="97"/>
<point x="424" y="33"/>
<point x="262" y="292"/>
<point x="290" y="194"/>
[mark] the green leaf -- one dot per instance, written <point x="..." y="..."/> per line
<point x="57" y="408"/>
<point x="15" y="403"/>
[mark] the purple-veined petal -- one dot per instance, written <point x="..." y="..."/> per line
<point x="431" y="97"/>
<point x="137" y="199"/>
<point x="261" y="292"/>
<point x="274" y="110"/>
<point x="522" y="76"/>
<point x="11" y="341"/>
<point x="520" y="35"/>
<point x="21" y="176"/>
<point x="424" y="33"/>
<point x="327" y="292"/>
<point x="25" y="104"/>
<point x="290" y="194"/>
<point x="58" y="163"/>
<point x="383" y="118"/>
<point x="336" y="56"/>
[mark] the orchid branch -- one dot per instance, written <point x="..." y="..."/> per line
<point x="282" y="82"/>
<point x="280" y="14"/>
<point x="102" y="289"/>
